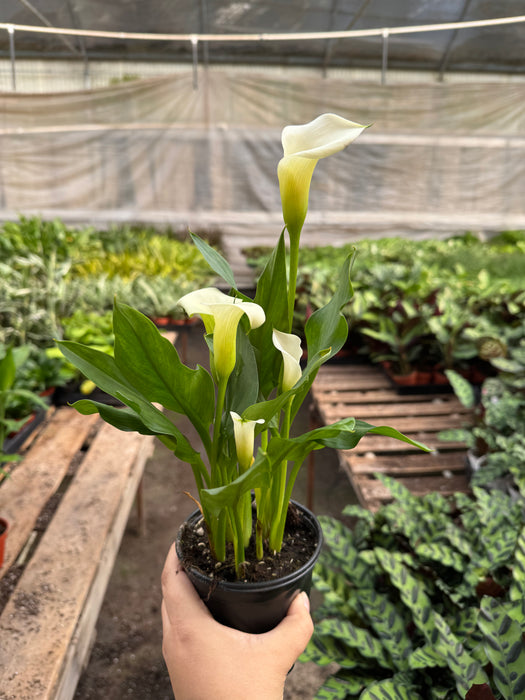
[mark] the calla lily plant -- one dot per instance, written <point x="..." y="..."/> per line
<point x="256" y="383"/>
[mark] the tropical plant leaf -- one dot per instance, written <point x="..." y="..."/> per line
<point x="442" y="554"/>
<point x="426" y="657"/>
<point x="462" y="388"/>
<point x="215" y="260"/>
<point x="150" y="363"/>
<point x="395" y="688"/>
<point x="343" y="684"/>
<point x="504" y="646"/>
<point x="435" y="629"/>
<point x="356" y="638"/>
<point x="327" y="650"/>
<point x="388" y="623"/>
<point x="271" y="294"/>
<point x="517" y="588"/>
<point x="327" y="327"/>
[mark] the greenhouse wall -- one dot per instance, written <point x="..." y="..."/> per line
<point x="199" y="150"/>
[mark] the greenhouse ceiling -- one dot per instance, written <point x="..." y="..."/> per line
<point x="499" y="47"/>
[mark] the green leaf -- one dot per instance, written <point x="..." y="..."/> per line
<point x="395" y="688"/>
<point x="442" y="555"/>
<point x="215" y="500"/>
<point x="7" y="371"/>
<point x="426" y="657"/>
<point x="388" y="623"/>
<point x="271" y="294"/>
<point x="103" y="371"/>
<point x="128" y="420"/>
<point x="151" y="364"/>
<point x="342" y="684"/>
<point x="215" y="260"/>
<point x="327" y="327"/>
<point x="327" y="650"/>
<point x="462" y="388"/>
<point x="504" y="646"/>
<point x="357" y="638"/>
<point x="517" y="589"/>
<point x="435" y="629"/>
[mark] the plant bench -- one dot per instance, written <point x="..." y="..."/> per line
<point x="67" y="503"/>
<point x="366" y="393"/>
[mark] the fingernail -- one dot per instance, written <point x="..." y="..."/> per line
<point x="306" y="600"/>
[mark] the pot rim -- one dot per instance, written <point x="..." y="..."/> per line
<point x="260" y="585"/>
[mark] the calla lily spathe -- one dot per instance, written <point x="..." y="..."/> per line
<point x="221" y="315"/>
<point x="303" y="146"/>
<point x="289" y="345"/>
<point x="244" y="434"/>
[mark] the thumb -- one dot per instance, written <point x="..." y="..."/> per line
<point x="295" y="630"/>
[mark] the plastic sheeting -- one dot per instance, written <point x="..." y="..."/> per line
<point x="443" y="156"/>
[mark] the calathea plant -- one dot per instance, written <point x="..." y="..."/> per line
<point x="255" y="386"/>
<point x="424" y="599"/>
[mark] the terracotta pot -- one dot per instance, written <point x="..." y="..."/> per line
<point x="253" y="607"/>
<point x="4" y="528"/>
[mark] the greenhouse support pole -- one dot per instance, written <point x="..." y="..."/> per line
<point x="195" y="61"/>
<point x="11" y="32"/>
<point x="384" y="59"/>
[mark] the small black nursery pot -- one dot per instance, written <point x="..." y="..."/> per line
<point x="253" y="607"/>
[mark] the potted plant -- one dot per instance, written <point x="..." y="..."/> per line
<point x="253" y="391"/>
<point x="10" y="363"/>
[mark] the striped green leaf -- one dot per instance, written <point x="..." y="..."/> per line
<point x="395" y="688"/>
<point x="389" y="624"/>
<point x="435" y="629"/>
<point x="326" y="650"/>
<point x="356" y="638"/>
<point x="343" y="684"/>
<point x="517" y="589"/>
<point x="426" y="657"/>
<point x="442" y="554"/>
<point x="340" y="541"/>
<point x="504" y="646"/>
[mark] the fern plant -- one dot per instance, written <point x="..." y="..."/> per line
<point x="424" y="599"/>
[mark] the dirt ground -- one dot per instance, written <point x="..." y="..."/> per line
<point x="126" y="659"/>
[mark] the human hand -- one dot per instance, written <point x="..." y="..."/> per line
<point x="208" y="660"/>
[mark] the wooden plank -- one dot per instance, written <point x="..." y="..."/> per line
<point x="336" y="411"/>
<point x="24" y="494"/>
<point x="412" y="423"/>
<point x="372" y="489"/>
<point x="79" y="649"/>
<point x="375" y="396"/>
<point x="39" y="621"/>
<point x="381" y="444"/>
<point x="407" y="464"/>
<point x="354" y="382"/>
<point x="339" y="392"/>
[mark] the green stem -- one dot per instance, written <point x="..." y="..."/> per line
<point x="292" y="278"/>
<point x="279" y="493"/>
<point x="221" y="393"/>
<point x="238" y="539"/>
<point x="288" y="494"/>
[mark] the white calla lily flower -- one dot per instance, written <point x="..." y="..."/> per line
<point x="303" y="146"/>
<point x="289" y="345"/>
<point x="221" y="315"/>
<point x="244" y="433"/>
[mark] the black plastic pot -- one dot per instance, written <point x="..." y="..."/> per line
<point x="253" y="607"/>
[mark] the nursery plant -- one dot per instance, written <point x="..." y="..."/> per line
<point x="496" y="441"/>
<point x="11" y="361"/>
<point x="423" y="599"/>
<point x="255" y="385"/>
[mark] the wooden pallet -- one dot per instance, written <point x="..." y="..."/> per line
<point x="366" y="393"/>
<point x="62" y="556"/>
